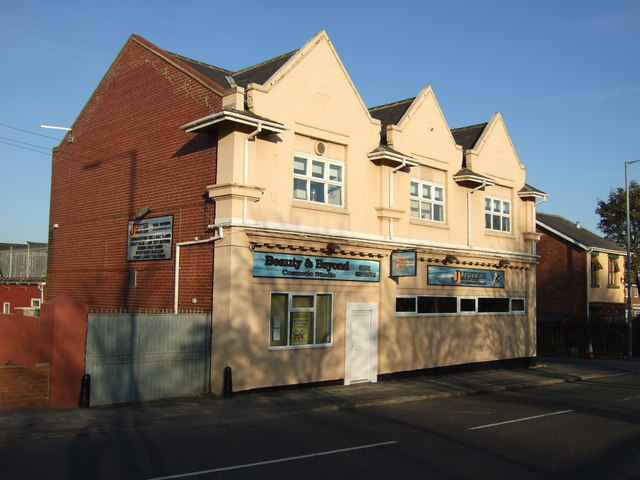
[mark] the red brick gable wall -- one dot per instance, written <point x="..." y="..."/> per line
<point x="561" y="278"/>
<point x="126" y="151"/>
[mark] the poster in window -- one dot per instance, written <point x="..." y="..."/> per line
<point x="300" y="328"/>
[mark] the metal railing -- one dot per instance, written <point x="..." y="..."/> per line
<point x="23" y="262"/>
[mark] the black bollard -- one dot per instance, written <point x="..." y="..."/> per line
<point x="85" y="391"/>
<point x="228" y="386"/>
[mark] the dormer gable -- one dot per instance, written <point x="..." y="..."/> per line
<point x="417" y="127"/>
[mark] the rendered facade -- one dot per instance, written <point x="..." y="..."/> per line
<point x="330" y="241"/>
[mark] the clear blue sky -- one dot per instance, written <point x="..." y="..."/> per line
<point x="565" y="75"/>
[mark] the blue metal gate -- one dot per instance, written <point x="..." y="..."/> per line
<point x="138" y="357"/>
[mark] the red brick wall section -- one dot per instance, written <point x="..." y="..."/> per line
<point x="22" y="340"/>
<point x="22" y="386"/>
<point x="561" y="278"/>
<point x="127" y="151"/>
<point x="18" y="295"/>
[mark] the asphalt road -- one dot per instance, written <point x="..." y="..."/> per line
<point x="586" y="430"/>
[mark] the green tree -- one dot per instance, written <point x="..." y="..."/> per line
<point x="613" y="223"/>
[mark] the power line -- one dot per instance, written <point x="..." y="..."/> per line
<point x="26" y="148"/>
<point x="27" y="131"/>
<point x="25" y="143"/>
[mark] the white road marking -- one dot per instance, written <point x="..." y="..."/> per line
<point x="520" y="420"/>
<point x="277" y="460"/>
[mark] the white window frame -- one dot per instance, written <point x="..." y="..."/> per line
<point x="290" y="310"/>
<point x="491" y="214"/>
<point x="35" y="303"/>
<point x="427" y="203"/>
<point x="6" y="308"/>
<point x="309" y="183"/>
<point x="459" y="312"/>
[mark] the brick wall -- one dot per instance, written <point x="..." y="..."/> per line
<point x="561" y="278"/>
<point x="127" y="151"/>
<point x="22" y="386"/>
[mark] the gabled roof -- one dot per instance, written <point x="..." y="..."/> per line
<point x="467" y="137"/>
<point x="575" y="234"/>
<point x="226" y="78"/>
<point x="391" y="113"/>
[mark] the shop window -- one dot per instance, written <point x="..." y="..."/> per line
<point x="300" y="319"/>
<point x="493" y="305"/>
<point x="517" y="305"/>
<point x="318" y="180"/>
<point x="427" y="200"/>
<point x="613" y="270"/>
<point x="417" y="305"/>
<point x="468" y="305"/>
<point x="497" y="214"/>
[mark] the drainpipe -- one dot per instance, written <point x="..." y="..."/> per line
<point x="533" y="225"/>
<point x="245" y="173"/>
<point x="176" y="282"/>
<point x="469" y="193"/>
<point x="392" y="192"/>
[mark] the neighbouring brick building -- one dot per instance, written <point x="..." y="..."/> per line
<point x="23" y="275"/>
<point x="328" y="240"/>
<point x="580" y="275"/>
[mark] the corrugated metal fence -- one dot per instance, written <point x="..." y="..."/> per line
<point x="137" y="357"/>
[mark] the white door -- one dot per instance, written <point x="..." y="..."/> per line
<point x="361" y="354"/>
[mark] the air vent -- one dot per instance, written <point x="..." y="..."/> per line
<point x="320" y="148"/>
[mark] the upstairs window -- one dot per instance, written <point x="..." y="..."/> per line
<point x="613" y="270"/>
<point x="318" y="180"/>
<point x="497" y="214"/>
<point x="427" y="201"/>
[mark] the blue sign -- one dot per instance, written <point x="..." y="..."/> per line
<point x="403" y="264"/>
<point x="310" y="267"/>
<point x="464" y="277"/>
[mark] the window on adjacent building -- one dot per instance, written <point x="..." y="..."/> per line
<point x="6" y="307"/>
<point x="35" y="302"/>
<point x="318" y="180"/>
<point x="300" y="319"/>
<point x="497" y="214"/>
<point x="595" y="268"/>
<point x="613" y="270"/>
<point x="427" y="200"/>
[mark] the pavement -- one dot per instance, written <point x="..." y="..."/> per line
<point x="28" y="424"/>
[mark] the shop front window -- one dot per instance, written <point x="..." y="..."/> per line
<point x="300" y="319"/>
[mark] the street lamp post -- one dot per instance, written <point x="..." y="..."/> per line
<point x="629" y="308"/>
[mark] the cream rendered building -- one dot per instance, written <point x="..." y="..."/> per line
<point x="361" y="242"/>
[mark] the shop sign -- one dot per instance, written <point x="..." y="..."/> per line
<point x="150" y="239"/>
<point x="277" y="265"/>
<point x="403" y="264"/>
<point x="464" y="277"/>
